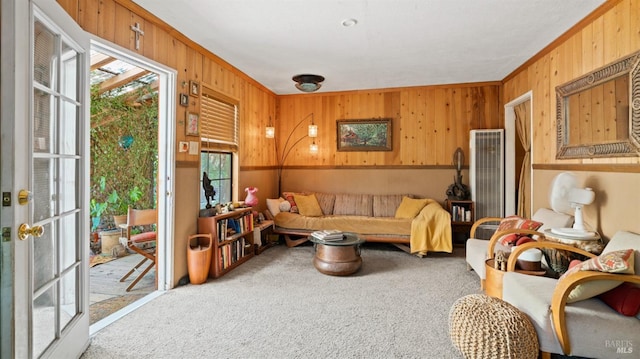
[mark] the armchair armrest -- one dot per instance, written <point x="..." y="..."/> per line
<point x="477" y="223"/>
<point x="496" y="236"/>
<point x="561" y="292"/>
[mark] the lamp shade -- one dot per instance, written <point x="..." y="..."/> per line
<point x="313" y="131"/>
<point x="270" y="132"/>
<point x="313" y="148"/>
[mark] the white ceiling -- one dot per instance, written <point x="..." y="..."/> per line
<point x="396" y="43"/>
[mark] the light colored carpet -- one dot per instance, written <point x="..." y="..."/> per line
<point x="278" y="306"/>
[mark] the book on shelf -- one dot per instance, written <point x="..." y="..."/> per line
<point x="328" y="235"/>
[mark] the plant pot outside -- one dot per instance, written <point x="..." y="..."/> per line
<point x="109" y="239"/>
<point x="120" y="219"/>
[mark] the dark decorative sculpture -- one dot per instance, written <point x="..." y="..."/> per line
<point x="209" y="192"/>
<point x="458" y="190"/>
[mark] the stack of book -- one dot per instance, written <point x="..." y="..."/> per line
<point x="328" y="235"/>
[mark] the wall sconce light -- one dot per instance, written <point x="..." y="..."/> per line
<point x="270" y="131"/>
<point x="313" y="148"/>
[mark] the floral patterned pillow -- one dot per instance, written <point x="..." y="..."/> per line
<point x="289" y="197"/>
<point x="611" y="262"/>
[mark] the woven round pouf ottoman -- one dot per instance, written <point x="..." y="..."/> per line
<point x="486" y="327"/>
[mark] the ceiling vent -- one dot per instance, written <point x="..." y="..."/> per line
<point x="308" y="83"/>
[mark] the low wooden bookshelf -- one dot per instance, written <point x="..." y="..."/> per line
<point x="462" y="218"/>
<point x="232" y="235"/>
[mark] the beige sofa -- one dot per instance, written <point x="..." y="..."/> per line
<point x="373" y="217"/>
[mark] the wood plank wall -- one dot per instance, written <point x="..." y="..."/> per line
<point x="111" y="20"/>
<point x="428" y="123"/>
<point x="608" y="34"/>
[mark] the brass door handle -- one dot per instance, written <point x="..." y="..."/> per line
<point x="25" y="231"/>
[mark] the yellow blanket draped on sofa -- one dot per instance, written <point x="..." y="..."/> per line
<point x="431" y="230"/>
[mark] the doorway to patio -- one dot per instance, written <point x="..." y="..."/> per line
<point x="131" y="117"/>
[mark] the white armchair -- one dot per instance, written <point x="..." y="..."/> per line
<point x="477" y="250"/>
<point x="585" y="328"/>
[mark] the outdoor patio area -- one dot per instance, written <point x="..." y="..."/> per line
<point x="106" y="293"/>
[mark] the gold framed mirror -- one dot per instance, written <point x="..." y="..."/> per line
<point x="598" y="114"/>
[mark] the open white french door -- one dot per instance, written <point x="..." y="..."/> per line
<point x="45" y="167"/>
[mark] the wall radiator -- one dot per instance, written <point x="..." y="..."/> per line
<point x="486" y="176"/>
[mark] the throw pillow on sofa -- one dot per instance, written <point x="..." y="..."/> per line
<point x="410" y="207"/>
<point x="289" y="197"/>
<point x="326" y="201"/>
<point x="515" y="222"/>
<point x="611" y="262"/>
<point x="624" y="299"/>
<point x="308" y="205"/>
<point x="273" y="205"/>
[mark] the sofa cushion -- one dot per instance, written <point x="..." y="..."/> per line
<point x="326" y="201"/>
<point x="410" y="207"/>
<point x="385" y="205"/>
<point x="515" y="222"/>
<point x="289" y="196"/>
<point x="356" y="224"/>
<point x="308" y="205"/>
<point x="273" y="205"/>
<point x="624" y="299"/>
<point x="592" y="321"/>
<point x="353" y="205"/>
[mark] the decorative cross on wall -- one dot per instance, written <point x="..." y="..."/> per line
<point x="138" y="32"/>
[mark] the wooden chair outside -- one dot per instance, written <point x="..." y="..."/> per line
<point x="143" y="243"/>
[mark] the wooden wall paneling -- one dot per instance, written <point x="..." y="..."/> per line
<point x="634" y="24"/>
<point x="458" y="127"/>
<point x="410" y="129"/>
<point x="106" y="20"/>
<point x="597" y="130"/>
<point x="255" y="148"/>
<point x="123" y="35"/>
<point x="180" y="62"/>
<point x="570" y="71"/>
<point x="586" y="58"/>
<point x="148" y="43"/>
<point x="440" y="125"/>
<point x="597" y="44"/>
<point x="392" y="110"/>
<point x="430" y="128"/>
<point x="71" y="7"/>
<point x="616" y="26"/>
<point x="86" y="16"/>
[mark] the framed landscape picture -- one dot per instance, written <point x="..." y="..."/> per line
<point x="364" y="135"/>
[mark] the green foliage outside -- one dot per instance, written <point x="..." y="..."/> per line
<point x="124" y="158"/>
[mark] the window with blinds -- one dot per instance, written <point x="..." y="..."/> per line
<point x="219" y="122"/>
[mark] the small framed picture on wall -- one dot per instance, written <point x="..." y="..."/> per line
<point x="193" y="124"/>
<point x="194" y="88"/>
<point x="184" y="99"/>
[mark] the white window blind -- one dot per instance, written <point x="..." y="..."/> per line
<point x="219" y="123"/>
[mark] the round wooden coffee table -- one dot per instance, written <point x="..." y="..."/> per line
<point x="338" y="258"/>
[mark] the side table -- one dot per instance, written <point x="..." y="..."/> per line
<point x="338" y="258"/>
<point x="493" y="279"/>
<point x="559" y="260"/>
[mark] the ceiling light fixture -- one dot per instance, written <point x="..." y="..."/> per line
<point x="307" y="82"/>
